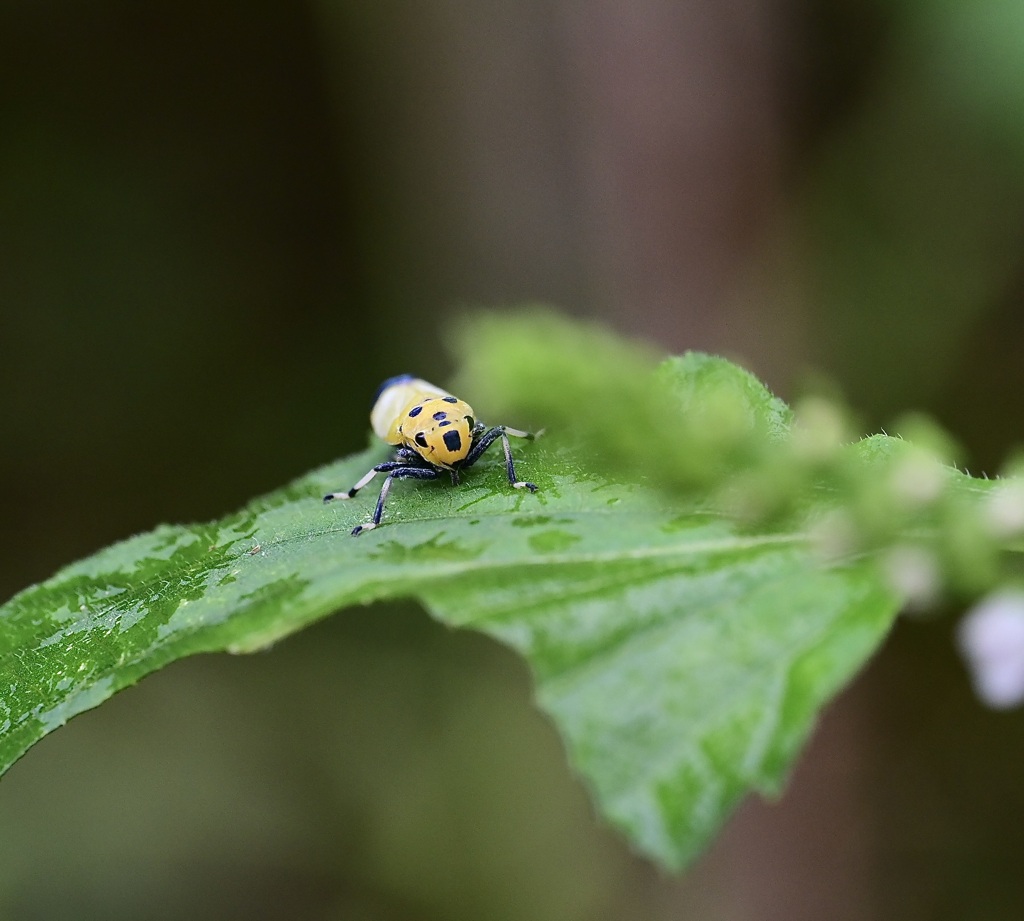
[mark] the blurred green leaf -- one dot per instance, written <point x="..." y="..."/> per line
<point x="683" y="653"/>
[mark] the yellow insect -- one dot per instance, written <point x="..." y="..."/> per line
<point x="433" y="432"/>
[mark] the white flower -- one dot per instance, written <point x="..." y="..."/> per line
<point x="991" y="639"/>
<point x="914" y="573"/>
<point x="819" y="431"/>
<point x="833" y="536"/>
<point x="917" y="479"/>
<point x="1004" y="510"/>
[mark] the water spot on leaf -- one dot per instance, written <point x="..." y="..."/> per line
<point x="436" y="548"/>
<point x="531" y="521"/>
<point x="687" y="522"/>
<point x="486" y="494"/>
<point x="553" y="540"/>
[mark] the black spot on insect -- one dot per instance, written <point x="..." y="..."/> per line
<point x="415" y="411"/>
<point x="443" y="424"/>
<point x="441" y="415"/>
<point x="450" y="399"/>
<point x="421" y="439"/>
<point x="470" y="421"/>
<point x="452" y="441"/>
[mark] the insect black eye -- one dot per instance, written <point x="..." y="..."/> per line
<point x="421" y="439"/>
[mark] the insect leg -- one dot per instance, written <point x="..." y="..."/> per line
<point x="516" y="433"/>
<point x="397" y="473"/>
<point x="380" y="468"/>
<point x="487" y="439"/>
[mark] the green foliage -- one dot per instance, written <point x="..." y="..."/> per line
<point x="697" y="576"/>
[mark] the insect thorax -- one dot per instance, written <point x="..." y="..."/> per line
<point x="439" y="429"/>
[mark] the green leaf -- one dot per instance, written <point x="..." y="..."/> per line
<point x="683" y="653"/>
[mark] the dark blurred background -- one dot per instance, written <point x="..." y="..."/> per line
<point x="222" y="224"/>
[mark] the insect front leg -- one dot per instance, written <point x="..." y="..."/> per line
<point x="386" y="467"/>
<point x="487" y="439"/>
<point x="398" y="472"/>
